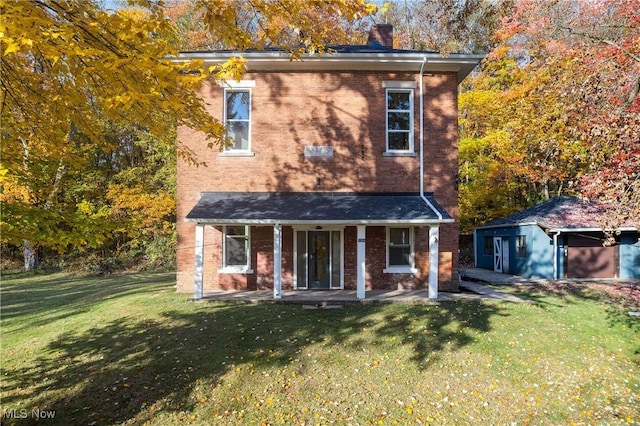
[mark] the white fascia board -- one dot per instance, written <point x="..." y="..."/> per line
<point x="320" y="222"/>
<point x="506" y="225"/>
<point x="462" y="64"/>
<point x="592" y="229"/>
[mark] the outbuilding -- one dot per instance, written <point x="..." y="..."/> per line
<point x="560" y="238"/>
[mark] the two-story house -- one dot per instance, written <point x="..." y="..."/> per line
<point x="342" y="173"/>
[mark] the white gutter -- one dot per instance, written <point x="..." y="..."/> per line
<point x="593" y="229"/>
<point x="285" y="222"/>
<point x="507" y="225"/>
<point x="462" y="64"/>
<point x="425" y="199"/>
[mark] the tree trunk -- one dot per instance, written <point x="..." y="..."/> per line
<point x="30" y="256"/>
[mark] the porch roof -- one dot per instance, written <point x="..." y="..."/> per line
<point x="290" y="208"/>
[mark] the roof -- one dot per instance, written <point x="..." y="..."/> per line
<point x="558" y="213"/>
<point x="289" y="208"/>
<point x="347" y="58"/>
<point x="329" y="49"/>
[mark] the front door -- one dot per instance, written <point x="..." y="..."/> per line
<point x="319" y="259"/>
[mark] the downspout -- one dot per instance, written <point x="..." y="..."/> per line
<point x="425" y="199"/>
<point x="555" y="255"/>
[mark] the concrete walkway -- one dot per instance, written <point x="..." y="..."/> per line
<point x="487" y="276"/>
<point x="481" y="276"/>
<point x="333" y="298"/>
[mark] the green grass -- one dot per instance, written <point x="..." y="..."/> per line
<point x="129" y="350"/>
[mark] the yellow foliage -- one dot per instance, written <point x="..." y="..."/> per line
<point x="70" y="67"/>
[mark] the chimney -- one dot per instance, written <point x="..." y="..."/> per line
<point x="381" y="35"/>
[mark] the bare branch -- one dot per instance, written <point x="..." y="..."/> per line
<point x="602" y="40"/>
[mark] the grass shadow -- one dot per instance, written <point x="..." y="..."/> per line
<point x="130" y="367"/>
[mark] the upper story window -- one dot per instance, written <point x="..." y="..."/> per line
<point x="237" y="115"/>
<point x="237" y="105"/>
<point x="399" y="117"/>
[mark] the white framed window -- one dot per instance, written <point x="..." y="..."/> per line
<point x="236" y="249"/>
<point x="400" y="250"/>
<point x="237" y="117"/>
<point x="399" y="120"/>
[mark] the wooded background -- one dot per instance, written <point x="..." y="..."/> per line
<point x="90" y="104"/>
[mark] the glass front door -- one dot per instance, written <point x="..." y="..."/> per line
<point x="319" y="259"/>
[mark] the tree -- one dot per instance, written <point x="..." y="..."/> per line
<point x="71" y="69"/>
<point x="597" y="44"/>
<point x="516" y="148"/>
<point x="446" y="26"/>
<point x="559" y="94"/>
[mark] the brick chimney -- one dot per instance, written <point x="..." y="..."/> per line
<point x="381" y="35"/>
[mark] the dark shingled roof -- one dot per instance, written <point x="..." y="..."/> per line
<point x="335" y="48"/>
<point x="557" y="213"/>
<point x="314" y="207"/>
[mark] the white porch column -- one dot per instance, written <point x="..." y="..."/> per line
<point x="361" y="266"/>
<point x="199" y="256"/>
<point x="434" y="237"/>
<point x="277" y="261"/>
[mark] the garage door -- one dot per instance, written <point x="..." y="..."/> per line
<point x="587" y="258"/>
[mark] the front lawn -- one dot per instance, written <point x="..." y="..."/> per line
<point x="129" y="350"/>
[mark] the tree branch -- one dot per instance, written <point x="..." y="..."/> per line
<point x="602" y="40"/>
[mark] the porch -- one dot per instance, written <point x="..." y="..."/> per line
<point x="318" y="237"/>
<point x="337" y="298"/>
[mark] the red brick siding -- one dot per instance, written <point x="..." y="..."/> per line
<point x="345" y="110"/>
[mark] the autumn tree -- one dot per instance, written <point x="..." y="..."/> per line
<point x="294" y="25"/>
<point x="446" y="26"/>
<point x="559" y="95"/>
<point x="596" y="45"/>
<point x="72" y="70"/>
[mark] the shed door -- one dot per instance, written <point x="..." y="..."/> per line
<point x="505" y="256"/>
<point x="587" y="258"/>
<point x="497" y="254"/>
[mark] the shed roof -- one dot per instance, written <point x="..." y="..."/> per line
<point x="557" y="213"/>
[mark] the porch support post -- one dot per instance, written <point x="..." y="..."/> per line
<point x="197" y="277"/>
<point x="277" y="261"/>
<point x="434" y="237"/>
<point x="361" y="266"/>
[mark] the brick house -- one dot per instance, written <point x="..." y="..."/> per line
<point x="342" y="174"/>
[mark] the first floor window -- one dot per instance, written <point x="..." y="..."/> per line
<point x="400" y="247"/>
<point x="521" y="245"/>
<point x="235" y="247"/>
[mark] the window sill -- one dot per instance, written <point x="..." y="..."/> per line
<point x="400" y="270"/>
<point x="236" y="154"/>
<point x="399" y="154"/>
<point x="231" y="270"/>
